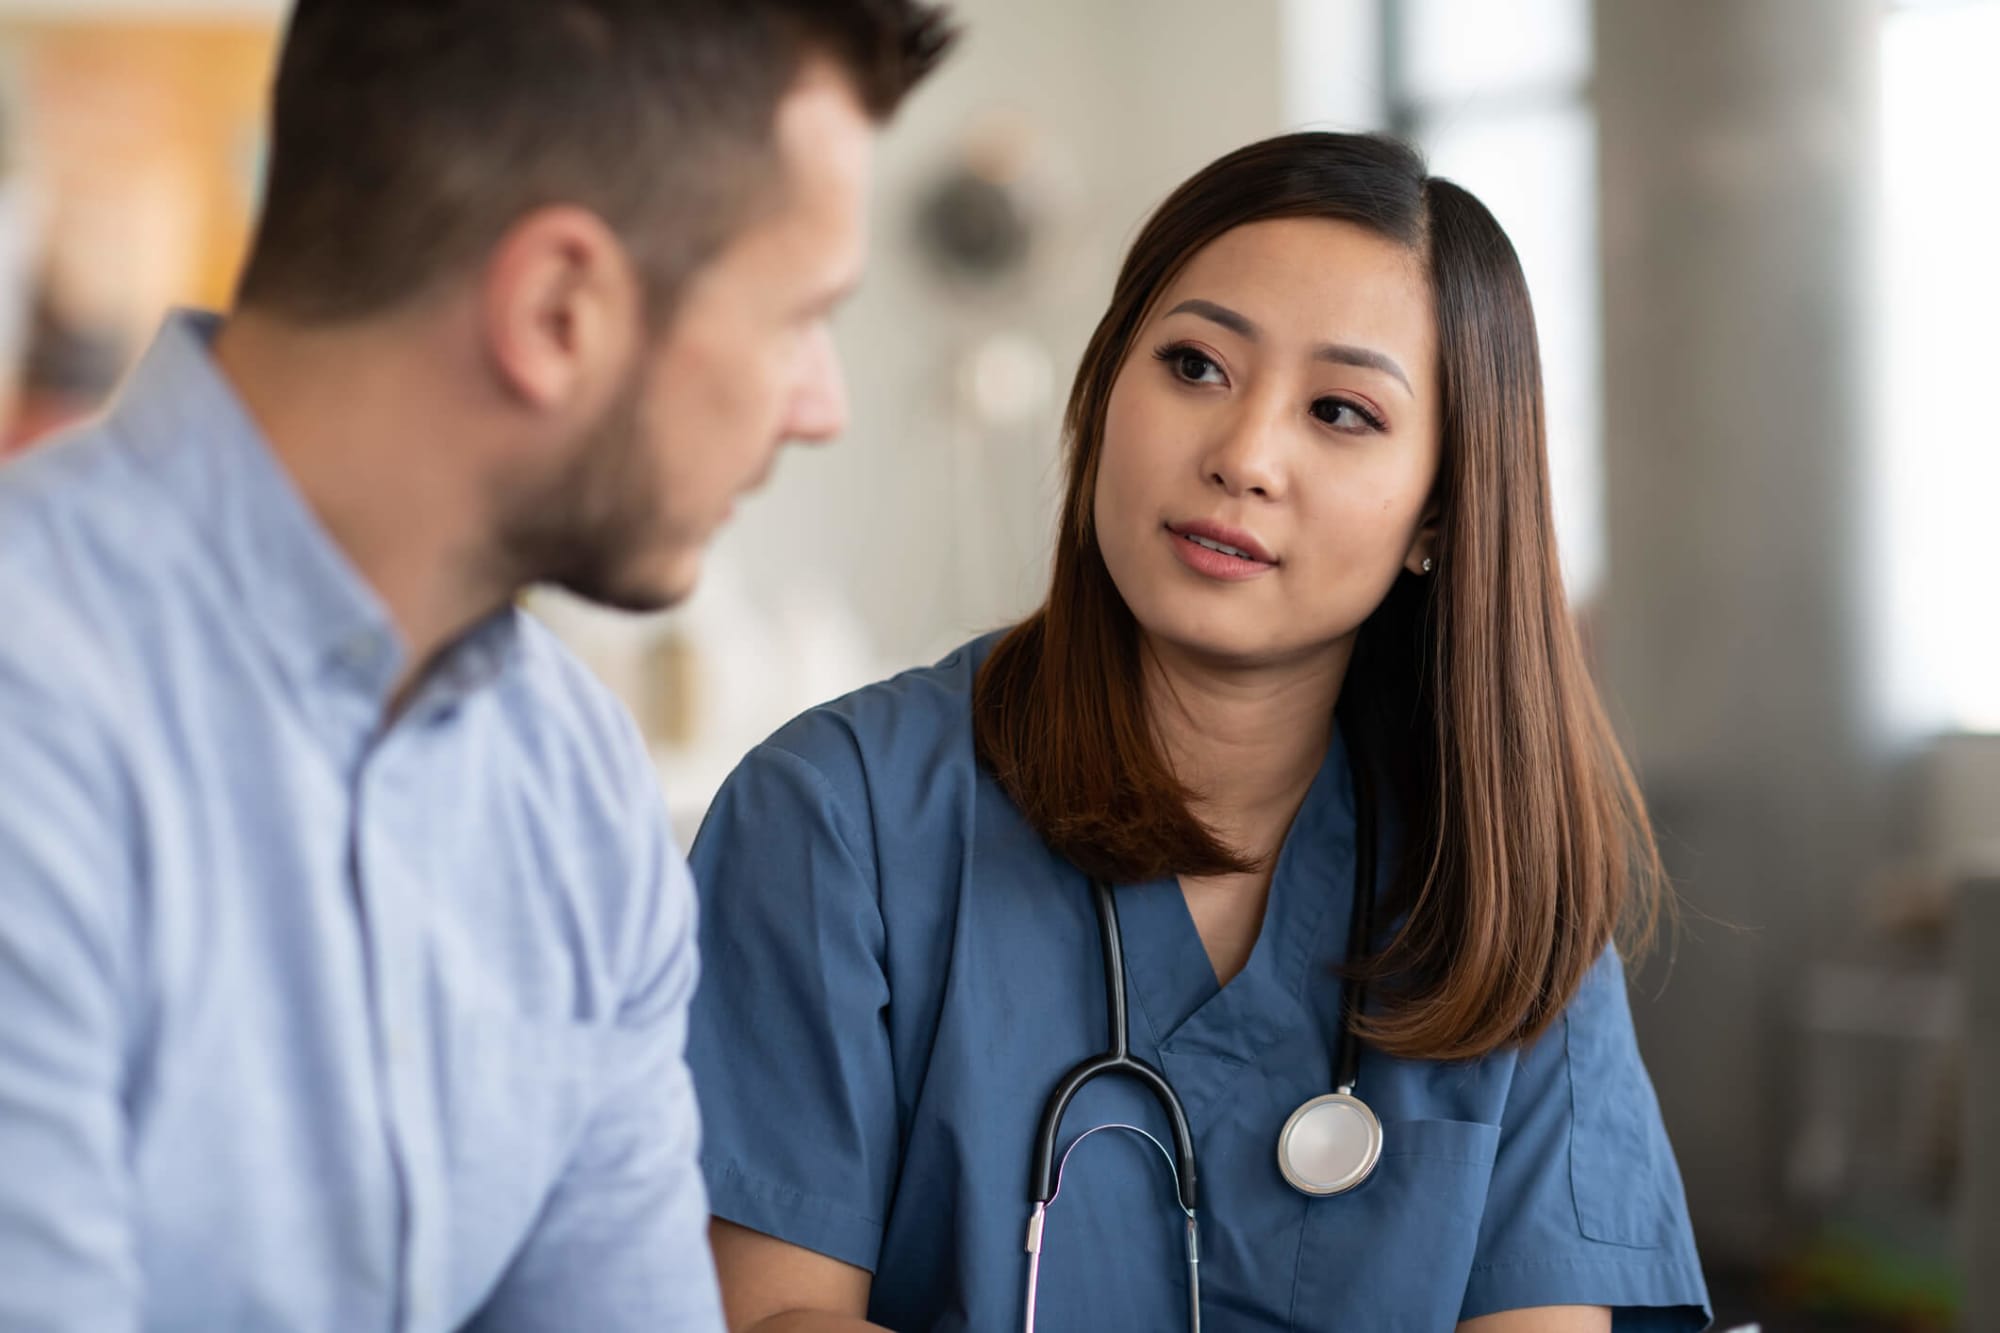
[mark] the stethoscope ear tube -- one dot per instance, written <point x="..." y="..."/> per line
<point x="1117" y="1058"/>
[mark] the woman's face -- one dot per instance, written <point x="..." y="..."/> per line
<point x="1271" y="443"/>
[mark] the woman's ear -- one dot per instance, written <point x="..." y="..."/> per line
<point x="1422" y="555"/>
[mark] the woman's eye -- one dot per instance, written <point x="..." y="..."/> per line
<point x="1194" y="367"/>
<point x="1343" y="415"/>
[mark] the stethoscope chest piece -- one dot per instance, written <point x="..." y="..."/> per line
<point x="1330" y="1144"/>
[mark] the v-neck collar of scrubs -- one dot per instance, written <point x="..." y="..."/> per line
<point x="1204" y="1031"/>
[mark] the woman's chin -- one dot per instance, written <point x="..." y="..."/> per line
<point x="1224" y="642"/>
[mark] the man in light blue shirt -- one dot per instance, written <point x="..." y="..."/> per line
<point x="344" y="952"/>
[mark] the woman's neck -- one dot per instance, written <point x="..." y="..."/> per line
<point x="1247" y="741"/>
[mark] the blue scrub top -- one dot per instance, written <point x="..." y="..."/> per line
<point x="897" y="970"/>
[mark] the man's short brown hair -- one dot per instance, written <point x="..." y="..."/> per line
<point x="407" y="138"/>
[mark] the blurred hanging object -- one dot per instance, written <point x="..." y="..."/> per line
<point x="985" y="230"/>
<point x="979" y="223"/>
<point x="1004" y="380"/>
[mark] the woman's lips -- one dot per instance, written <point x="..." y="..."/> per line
<point x="1208" y="549"/>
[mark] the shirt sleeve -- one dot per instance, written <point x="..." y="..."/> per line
<point x="622" y="1243"/>
<point x="66" y="878"/>
<point x="1586" y="1205"/>
<point x="790" y="1045"/>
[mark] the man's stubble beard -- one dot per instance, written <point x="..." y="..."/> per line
<point x="586" y="529"/>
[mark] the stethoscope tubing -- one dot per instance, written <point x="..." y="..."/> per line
<point x="1117" y="1058"/>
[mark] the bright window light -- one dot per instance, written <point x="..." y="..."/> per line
<point x="1536" y="170"/>
<point x="1936" y="471"/>
<point x="1461" y="51"/>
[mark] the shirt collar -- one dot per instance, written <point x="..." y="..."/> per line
<point x="318" y="617"/>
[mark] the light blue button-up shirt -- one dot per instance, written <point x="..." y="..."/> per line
<point x="311" y="1019"/>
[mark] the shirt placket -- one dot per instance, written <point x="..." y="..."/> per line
<point x="391" y="896"/>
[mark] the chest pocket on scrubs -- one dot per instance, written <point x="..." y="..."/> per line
<point x="1374" y="1258"/>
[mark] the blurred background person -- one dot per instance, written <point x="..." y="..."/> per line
<point x="1757" y="233"/>
<point x="66" y="374"/>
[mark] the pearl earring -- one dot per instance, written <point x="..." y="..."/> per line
<point x="1429" y="564"/>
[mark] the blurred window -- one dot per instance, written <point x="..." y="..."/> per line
<point x="1499" y="97"/>
<point x="1936" y="468"/>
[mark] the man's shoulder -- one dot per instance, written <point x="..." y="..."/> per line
<point x="69" y="660"/>
<point x="81" y="480"/>
<point x="83" y="566"/>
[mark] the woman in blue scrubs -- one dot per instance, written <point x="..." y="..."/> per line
<point x="1305" y="555"/>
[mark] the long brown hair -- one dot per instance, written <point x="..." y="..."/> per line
<point x="1525" y="843"/>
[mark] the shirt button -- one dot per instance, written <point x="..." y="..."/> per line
<point x="362" y="651"/>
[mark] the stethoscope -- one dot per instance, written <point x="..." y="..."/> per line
<point x="1329" y="1145"/>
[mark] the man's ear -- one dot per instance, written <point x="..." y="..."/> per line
<point x="560" y="308"/>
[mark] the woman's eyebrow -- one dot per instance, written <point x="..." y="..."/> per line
<point x="1345" y="354"/>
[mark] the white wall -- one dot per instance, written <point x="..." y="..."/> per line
<point x="1124" y="98"/>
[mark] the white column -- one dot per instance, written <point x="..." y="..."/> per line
<point x="1737" y="142"/>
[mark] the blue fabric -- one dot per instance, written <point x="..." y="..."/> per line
<point x="898" y="971"/>
<point x="310" y="1020"/>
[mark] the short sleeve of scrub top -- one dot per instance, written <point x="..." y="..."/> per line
<point x="896" y="971"/>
